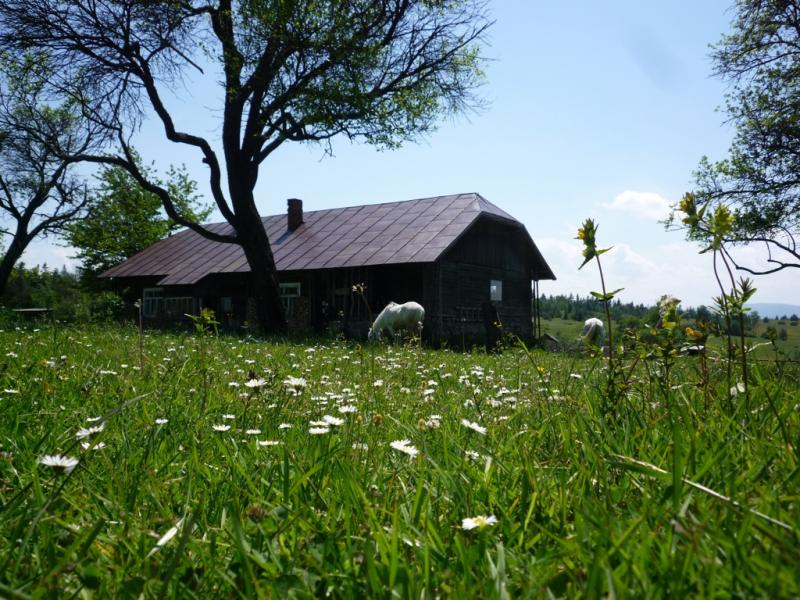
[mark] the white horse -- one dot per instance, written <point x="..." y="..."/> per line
<point x="407" y="316"/>
<point x="593" y="331"/>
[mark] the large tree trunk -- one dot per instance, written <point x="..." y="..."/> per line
<point x="10" y="258"/>
<point x="256" y="246"/>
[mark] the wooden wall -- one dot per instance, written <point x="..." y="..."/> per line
<point x="490" y="250"/>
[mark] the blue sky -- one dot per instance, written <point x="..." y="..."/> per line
<point x="594" y="110"/>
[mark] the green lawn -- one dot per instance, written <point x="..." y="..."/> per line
<point x="357" y="472"/>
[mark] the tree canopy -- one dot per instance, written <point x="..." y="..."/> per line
<point x="122" y="219"/>
<point x="40" y="139"/>
<point x="759" y="182"/>
<point x="292" y="71"/>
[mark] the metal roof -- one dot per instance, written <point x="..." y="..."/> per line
<point x="412" y="231"/>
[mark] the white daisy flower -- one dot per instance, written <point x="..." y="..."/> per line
<point x="268" y="443"/>
<point x="335" y="421"/>
<point x="221" y="427"/>
<point x="256" y="383"/>
<point x="97" y="446"/>
<point x="405" y="447"/>
<point x="737" y="389"/>
<point x="162" y="421"/>
<point x="318" y="430"/>
<point x="474" y="426"/>
<point x="295" y="385"/>
<point x="434" y="422"/>
<point x="253" y="431"/>
<point x="285" y="426"/>
<point x="229" y="417"/>
<point x="347" y="408"/>
<point x="93" y="419"/>
<point x="57" y="461"/>
<point x="89" y="431"/>
<point x="478" y="522"/>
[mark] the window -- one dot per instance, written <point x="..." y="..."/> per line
<point x="178" y="306"/>
<point x="152" y="302"/>
<point x="496" y="290"/>
<point x="226" y="305"/>
<point x="289" y="291"/>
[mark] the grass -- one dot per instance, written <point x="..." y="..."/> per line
<point x="678" y="495"/>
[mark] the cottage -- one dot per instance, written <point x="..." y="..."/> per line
<point x="452" y="254"/>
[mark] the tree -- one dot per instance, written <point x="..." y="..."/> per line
<point x="759" y="182"/>
<point x="40" y="141"/>
<point x="122" y="218"/>
<point x="292" y="71"/>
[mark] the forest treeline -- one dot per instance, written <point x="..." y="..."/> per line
<point x="630" y="314"/>
<point x="70" y="297"/>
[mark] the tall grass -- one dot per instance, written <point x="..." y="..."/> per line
<point x="674" y="498"/>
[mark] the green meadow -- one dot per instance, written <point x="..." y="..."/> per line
<point x="218" y="467"/>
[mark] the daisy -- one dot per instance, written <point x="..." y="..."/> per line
<point x="478" y="522"/>
<point x="256" y="383"/>
<point x="405" y="447"/>
<point x="347" y="408"/>
<point x="285" y="426"/>
<point x="474" y="426"/>
<point x="162" y="421"/>
<point x="221" y="427"/>
<point x="295" y="384"/>
<point x="97" y="446"/>
<point x="93" y="419"/>
<point x="253" y="431"/>
<point x="268" y="443"/>
<point x="318" y="430"/>
<point x="332" y="420"/>
<point x="228" y="417"/>
<point x="57" y="461"/>
<point x="434" y="422"/>
<point x="737" y="389"/>
<point x="89" y="431"/>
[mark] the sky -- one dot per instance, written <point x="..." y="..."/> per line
<point x="593" y="109"/>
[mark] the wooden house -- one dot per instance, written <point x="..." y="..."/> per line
<point x="452" y="254"/>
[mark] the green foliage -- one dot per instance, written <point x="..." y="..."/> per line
<point x="754" y="195"/>
<point x="123" y="219"/>
<point x="41" y="138"/>
<point x="676" y="499"/>
<point x="62" y="291"/>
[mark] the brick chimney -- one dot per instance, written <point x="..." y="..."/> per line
<point x="295" y="213"/>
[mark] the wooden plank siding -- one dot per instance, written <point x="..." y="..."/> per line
<point x="490" y="250"/>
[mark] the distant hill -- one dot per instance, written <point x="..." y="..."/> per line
<point x="774" y="310"/>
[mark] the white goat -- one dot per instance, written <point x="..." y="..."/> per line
<point x="593" y="331"/>
<point x="407" y="316"/>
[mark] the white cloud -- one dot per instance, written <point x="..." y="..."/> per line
<point x="644" y="205"/>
